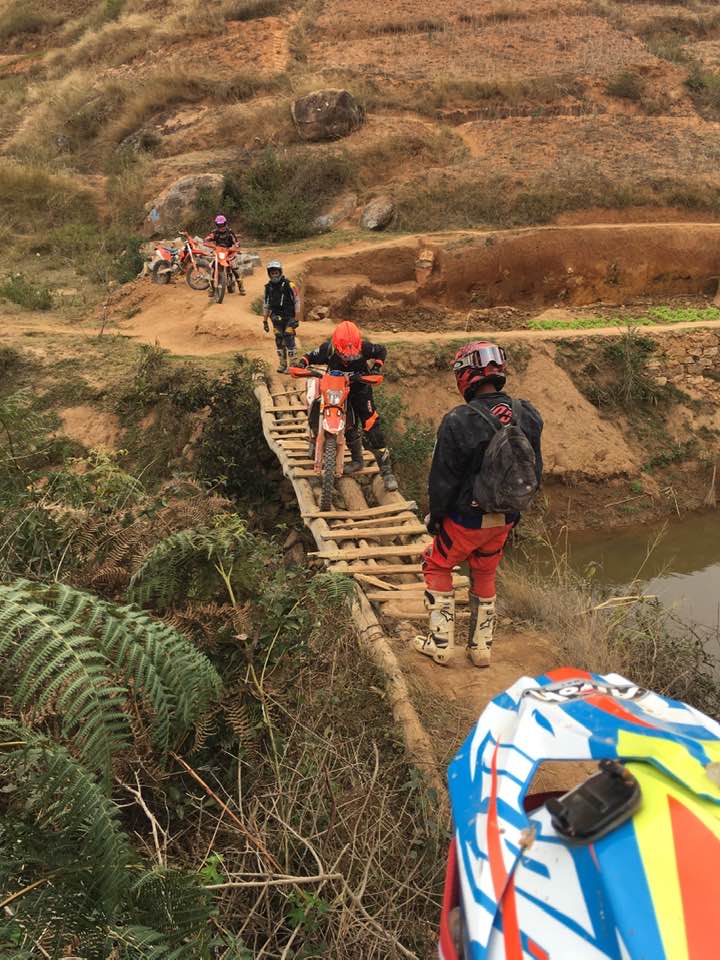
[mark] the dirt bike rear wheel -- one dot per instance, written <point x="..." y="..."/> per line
<point x="220" y="287"/>
<point x="158" y="277"/>
<point x="198" y="278"/>
<point x="328" y="471"/>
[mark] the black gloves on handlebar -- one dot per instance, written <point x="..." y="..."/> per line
<point x="375" y="366"/>
<point x="302" y="362"/>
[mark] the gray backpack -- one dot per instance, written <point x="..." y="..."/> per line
<point x="506" y="481"/>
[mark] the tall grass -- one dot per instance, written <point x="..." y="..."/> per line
<point x="639" y="640"/>
<point x="31" y="195"/>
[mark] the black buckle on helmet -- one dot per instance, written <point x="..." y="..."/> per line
<point x="597" y="806"/>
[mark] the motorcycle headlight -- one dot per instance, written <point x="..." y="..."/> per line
<point x="334" y="397"/>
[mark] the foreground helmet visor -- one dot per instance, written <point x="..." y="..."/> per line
<point x="481" y="358"/>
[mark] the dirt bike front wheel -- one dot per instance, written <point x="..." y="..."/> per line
<point x="328" y="471"/>
<point x="220" y="286"/>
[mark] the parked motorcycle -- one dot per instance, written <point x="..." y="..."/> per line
<point x="191" y="259"/>
<point x="327" y="398"/>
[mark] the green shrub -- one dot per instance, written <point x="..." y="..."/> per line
<point x="252" y="9"/>
<point x="411" y="443"/>
<point x="626" y="86"/>
<point x="704" y="87"/>
<point x="102" y="254"/>
<point x="282" y="193"/>
<point x="18" y="289"/>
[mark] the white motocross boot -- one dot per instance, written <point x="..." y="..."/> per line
<point x="480" y="629"/>
<point x="440" y="638"/>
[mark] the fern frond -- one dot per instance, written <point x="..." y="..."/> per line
<point x="63" y="801"/>
<point x="173" y="912"/>
<point x="52" y="663"/>
<point x="172" y="565"/>
<point x="165" y="669"/>
<point x="83" y="656"/>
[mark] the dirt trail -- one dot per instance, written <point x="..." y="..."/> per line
<point x="188" y="324"/>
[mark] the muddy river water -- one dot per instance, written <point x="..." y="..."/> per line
<point x="679" y="562"/>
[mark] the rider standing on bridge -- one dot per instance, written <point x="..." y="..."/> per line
<point x="487" y="453"/>
<point x="280" y="306"/>
<point x="348" y="352"/>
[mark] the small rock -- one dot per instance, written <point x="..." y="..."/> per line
<point x="377" y="214"/>
<point x="250" y="259"/>
<point x="318" y="313"/>
<point x="326" y="115"/>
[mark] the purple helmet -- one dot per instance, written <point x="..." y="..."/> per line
<point x="220" y="220"/>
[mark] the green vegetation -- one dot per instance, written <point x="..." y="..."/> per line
<point x="704" y="87"/>
<point x="411" y="443"/>
<point x="626" y="86"/>
<point x="142" y="788"/>
<point x="18" y="289"/>
<point x="655" y="315"/>
<point x="252" y="9"/>
<point x="613" y="373"/>
<point x="282" y="193"/>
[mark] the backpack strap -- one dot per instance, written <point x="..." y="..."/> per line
<point x="487" y="416"/>
<point x="517" y="412"/>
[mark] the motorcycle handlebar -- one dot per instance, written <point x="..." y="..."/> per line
<point x="363" y="377"/>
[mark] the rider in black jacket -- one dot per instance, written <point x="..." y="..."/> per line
<point x="347" y="351"/>
<point x="462" y="531"/>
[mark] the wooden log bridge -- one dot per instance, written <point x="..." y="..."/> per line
<point x="371" y="535"/>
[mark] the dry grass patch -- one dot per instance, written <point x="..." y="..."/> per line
<point x="641" y="641"/>
<point x="253" y="9"/>
<point x="33" y="195"/>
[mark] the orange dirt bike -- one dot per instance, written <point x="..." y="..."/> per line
<point x="328" y="413"/>
<point x="222" y="271"/>
<point x="192" y="260"/>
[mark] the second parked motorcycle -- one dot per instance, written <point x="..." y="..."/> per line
<point x="192" y="259"/>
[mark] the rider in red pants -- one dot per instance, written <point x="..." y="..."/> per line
<point x="462" y="531"/>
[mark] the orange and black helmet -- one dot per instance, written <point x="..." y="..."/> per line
<point x="346" y="341"/>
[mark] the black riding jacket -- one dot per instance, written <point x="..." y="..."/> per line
<point x="222" y="238"/>
<point x="325" y="355"/>
<point x="281" y="298"/>
<point x="462" y="439"/>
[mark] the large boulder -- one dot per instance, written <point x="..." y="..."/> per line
<point x="377" y="214"/>
<point x="176" y="204"/>
<point x="327" y="115"/>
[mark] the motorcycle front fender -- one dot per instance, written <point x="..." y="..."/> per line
<point x="333" y="420"/>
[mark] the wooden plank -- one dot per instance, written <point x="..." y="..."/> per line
<point x="288" y="407"/>
<point x="384" y="585"/>
<point x="289" y="430"/>
<point x="376" y="521"/>
<point x="384" y="568"/>
<point x="361" y="553"/>
<point x="350" y="533"/>
<point x="361" y="514"/>
<point x="365" y="472"/>
<point x="396" y="596"/>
